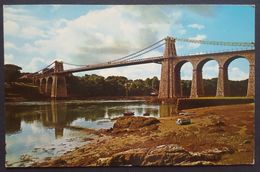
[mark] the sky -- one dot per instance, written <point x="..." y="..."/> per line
<point x="36" y="35"/>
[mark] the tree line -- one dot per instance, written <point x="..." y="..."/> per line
<point x="97" y="86"/>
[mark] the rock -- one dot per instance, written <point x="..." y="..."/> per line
<point x="47" y="158"/>
<point x="220" y="123"/>
<point x="132" y="157"/>
<point x="59" y="162"/>
<point x="211" y="155"/>
<point x="128" y="113"/>
<point x="196" y="163"/>
<point x="103" y="161"/>
<point x="165" y="155"/>
<point x="146" y="114"/>
<point x="246" y="142"/>
<point x="131" y="124"/>
<point x="26" y="158"/>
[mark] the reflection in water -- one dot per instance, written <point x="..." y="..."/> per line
<point x="30" y="124"/>
<point x="167" y="110"/>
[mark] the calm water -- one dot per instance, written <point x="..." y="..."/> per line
<point x="36" y="130"/>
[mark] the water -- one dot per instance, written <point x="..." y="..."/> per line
<point x="36" y="130"/>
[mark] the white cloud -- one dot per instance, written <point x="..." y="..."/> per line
<point x="31" y="32"/>
<point x="9" y="45"/>
<point x="9" y="59"/>
<point x="210" y="69"/>
<point x="19" y="23"/>
<point x="196" y="26"/>
<point x="198" y="38"/>
<point x="11" y="28"/>
<point x="36" y="64"/>
<point x="236" y="74"/>
<point x="92" y="39"/>
<point x="186" y="71"/>
<point x="97" y="36"/>
<point x="132" y="72"/>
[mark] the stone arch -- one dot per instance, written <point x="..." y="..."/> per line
<point x="228" y="81"/>
<point x="49" y="86"/>
<point x="202" y="86"/>
<point x="180" y="90"/>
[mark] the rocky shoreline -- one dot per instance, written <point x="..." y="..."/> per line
<point x="220" y="135"/>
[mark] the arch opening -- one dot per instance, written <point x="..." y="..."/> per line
<point x="210" y="71"/>
<point x="183" y="71"/>
<point x="238" y="74"/>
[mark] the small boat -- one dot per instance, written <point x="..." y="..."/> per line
<point x="128" y="113"/>
<point x="183" y="121"/>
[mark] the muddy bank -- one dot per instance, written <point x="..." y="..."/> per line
<point x="217" y="135"/>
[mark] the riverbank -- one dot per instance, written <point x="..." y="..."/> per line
<point x="220" y="135"/>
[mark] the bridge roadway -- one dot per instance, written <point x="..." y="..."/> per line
<point x="157" y="59"/>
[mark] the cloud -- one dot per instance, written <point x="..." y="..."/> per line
<point x="19" y="22"/>
<point x="98" y="36"/>
<point x="236" y="74"/>
<point x="9" y="59"/>
<point x="197" y="37"/>
<point x="36" y="64"/>
<point x="186" y="71"/>
<point x="128" y="31"/>
<point x="196" y="26"/>
<point x="90" y="38"/>
<point x="134" y="72"/>
<point x="11" y="28"/>
<point x="210" y="70"/>
<point x="31" y="32"/>
<point x="9" y="45"/>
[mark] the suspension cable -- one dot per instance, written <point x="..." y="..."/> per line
<point x="138" y="55"/>
<point x="245" y="44"/>
<point x="137" y="51"/>
<point x="72" y="64"/>
<point x="45" y="67"/>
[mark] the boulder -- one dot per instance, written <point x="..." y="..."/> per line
<point x="165" y="155"/>
<point x="132" y="123"/>
<point x="132" y="157"/>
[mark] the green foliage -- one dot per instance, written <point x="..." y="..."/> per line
<point x="95" y="85"/>
<point x="12" y="72"/>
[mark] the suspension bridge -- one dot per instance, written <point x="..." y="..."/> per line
<point x="51" y="79"/>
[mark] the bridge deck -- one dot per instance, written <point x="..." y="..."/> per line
<point x="156" y="59"/>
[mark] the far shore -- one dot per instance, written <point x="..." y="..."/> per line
<point x="144" y="98"/>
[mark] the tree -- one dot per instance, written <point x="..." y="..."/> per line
<point x="12" y="72"/>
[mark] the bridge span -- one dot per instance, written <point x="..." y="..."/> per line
<point x="52" y="81"/>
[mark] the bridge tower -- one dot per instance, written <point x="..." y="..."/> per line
<point x="166" y="90"/>
<point x="59" y="86"/>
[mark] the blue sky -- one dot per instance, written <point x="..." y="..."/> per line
<point x="36" y="35"/>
